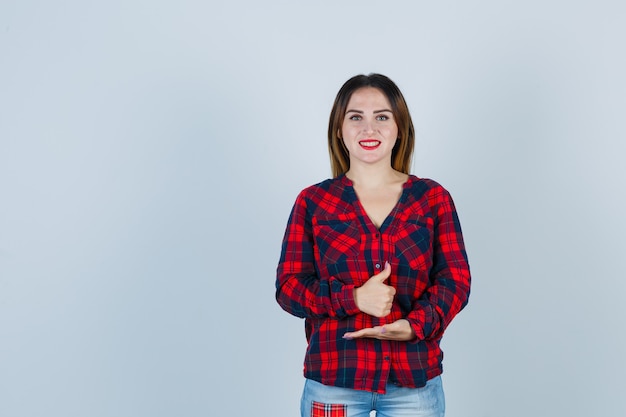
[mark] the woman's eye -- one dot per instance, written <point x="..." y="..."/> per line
<point x="382" y="117"/>
<point x="355" y="117"/>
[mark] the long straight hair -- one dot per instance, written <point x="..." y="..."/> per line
<point x="402" y="151"/>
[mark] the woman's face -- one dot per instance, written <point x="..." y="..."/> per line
<point x="369" y="130"/>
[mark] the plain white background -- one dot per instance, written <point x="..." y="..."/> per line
<point x="150" y="153"/>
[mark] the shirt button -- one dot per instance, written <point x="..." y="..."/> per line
<point x="377" y="235"/>
<point x="377" y="266"/>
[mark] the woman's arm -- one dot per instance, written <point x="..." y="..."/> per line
<point x="299" y="288"/>
<point x="449" y="276"/>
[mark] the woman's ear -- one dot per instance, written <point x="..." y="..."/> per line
<point x="339" y="134"/>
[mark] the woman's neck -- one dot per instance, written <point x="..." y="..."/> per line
<point x="372" y="176"/>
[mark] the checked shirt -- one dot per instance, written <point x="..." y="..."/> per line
<point x="331" y="247"/>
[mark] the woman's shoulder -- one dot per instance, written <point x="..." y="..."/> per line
<point x="329" y="185"/>
<point x="422" y="183"/>
<point x="328" y="195"/>
<point x="427" y="188"/>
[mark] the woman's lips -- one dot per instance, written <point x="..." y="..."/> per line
<point x="369" y="144"/>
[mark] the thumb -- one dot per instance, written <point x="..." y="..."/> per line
<point x="384" y="274"/>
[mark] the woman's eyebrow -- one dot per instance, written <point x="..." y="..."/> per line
<point x="361" y="111"/>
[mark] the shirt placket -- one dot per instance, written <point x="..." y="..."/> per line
<point x="382" y="239"/>
<point x="381" y="251"/>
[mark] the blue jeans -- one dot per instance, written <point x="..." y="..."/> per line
<point x="320" y="400"/>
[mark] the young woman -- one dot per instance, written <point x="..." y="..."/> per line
<point x="374" y="260"/>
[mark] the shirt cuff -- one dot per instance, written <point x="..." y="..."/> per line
<point x="424" y="321"/>
<point x="346" y="300"/>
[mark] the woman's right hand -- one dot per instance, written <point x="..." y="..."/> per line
<point x="375" y="297"/>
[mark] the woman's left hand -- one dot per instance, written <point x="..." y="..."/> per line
<point x="398" y="330"/>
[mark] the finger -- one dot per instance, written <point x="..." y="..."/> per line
<point x="384" y="274"/>
<point x="368" y="332"/>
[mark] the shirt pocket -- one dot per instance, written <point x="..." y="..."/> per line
<point x="413" y="244"/>
<point x="336" y="239"/>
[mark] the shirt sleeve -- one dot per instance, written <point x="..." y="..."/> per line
<point x="449" y="276"/>
<point x="299" y="288"/>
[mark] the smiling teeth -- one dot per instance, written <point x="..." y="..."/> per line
<point x="370" y="143"/>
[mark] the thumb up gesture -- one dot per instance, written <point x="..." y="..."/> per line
<point x="375" y="297"/>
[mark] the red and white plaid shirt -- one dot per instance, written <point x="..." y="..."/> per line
<point x="331" y="247"/>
